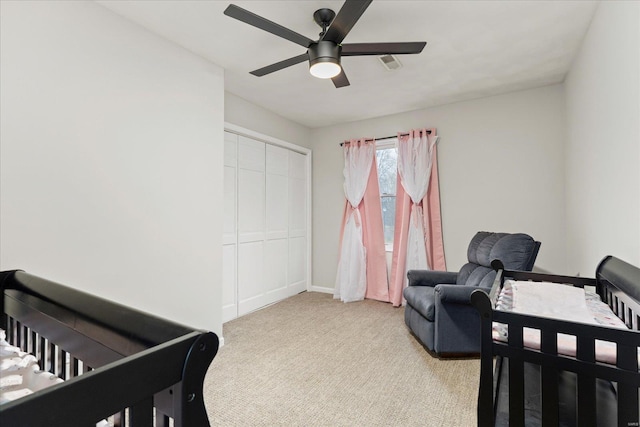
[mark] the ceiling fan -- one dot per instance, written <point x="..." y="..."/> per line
<point x="324" y="54"/>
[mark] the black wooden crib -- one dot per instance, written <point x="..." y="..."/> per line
<point x="118" y="364"/>
<point x="540" y="386"/>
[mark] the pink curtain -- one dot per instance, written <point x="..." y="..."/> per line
<point x="372" y="235"/>
<point x="432" y="224"/>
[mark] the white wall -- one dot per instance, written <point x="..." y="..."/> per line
<point x="241" y="112"/>
<point x="501" y="169"/>
<point x="603" y="141"/>
<point x="111" y="160"/>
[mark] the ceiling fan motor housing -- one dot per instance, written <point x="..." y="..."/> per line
<point x="324" y="51"/>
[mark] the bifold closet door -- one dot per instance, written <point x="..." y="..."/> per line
<point x="297" y="223"/>
<point x="229" y="238"/>
<point x="251" y="224"/>
<point x="265" y="255"/>
<point x="277" y="237"/>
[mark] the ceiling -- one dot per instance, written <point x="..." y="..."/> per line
<point x="474" y="49"/>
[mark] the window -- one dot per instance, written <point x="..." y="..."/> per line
<point x="387" y="162"/>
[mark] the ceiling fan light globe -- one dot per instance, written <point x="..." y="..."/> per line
<point x="325" y="70"/>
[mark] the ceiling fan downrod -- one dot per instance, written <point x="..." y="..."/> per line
<point x="324" y="17"/>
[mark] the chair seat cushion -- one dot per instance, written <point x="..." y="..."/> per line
<point x="422" y="299"/>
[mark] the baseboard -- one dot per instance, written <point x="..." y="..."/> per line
<point x="220" y="342"/>
<point x="321" y="289"/>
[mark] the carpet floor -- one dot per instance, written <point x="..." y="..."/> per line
<point x="313" y="361"/>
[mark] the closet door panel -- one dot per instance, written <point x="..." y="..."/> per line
<point x="297" y="165"/>
<point x="251" y="154"/>
<point x="229" y="269"/>
<point x="251" y="190"/>
<point x="251" y="283"/>
<point x="229" y="248"/>
<point x="275" y="265"/>
<point x="297" y="264"/>
<point x="277" y="160"/>
<point x="297" y="194"/>
<point x="230" y="149"/>
<point x="277" y="206"/>
<point x="297" y="207"/>
<point x="230" y="192"/>
<point x="251" y="209"/>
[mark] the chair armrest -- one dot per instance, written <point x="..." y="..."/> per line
<point x="457" y="322"/>
<point x="455" y="294"/>
<point x="430" y="277"/>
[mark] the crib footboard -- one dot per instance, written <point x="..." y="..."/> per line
<point x="539" y="386"/>
<point x="118" y="363"/>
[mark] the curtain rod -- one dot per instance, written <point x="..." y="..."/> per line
<point x="386" y="137"/>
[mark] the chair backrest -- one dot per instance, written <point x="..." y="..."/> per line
<point x="516" y="251"/>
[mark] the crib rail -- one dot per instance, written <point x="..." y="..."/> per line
<point x="117" y="363"/>
<point x="512" y="358"/>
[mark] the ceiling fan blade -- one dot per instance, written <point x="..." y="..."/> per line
<point x="346" y="18"/>
<point x="340" y="80"/>
<point x="280" y="65"/>
<point x="357" y="49"/>
<point x="264" y="24"/>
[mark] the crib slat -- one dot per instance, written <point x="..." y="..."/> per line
<point x="25" y="338"/>
<point x="586" y="387"/>
<point x="42" y="355"/>
<point x="550" y="398"/>
<point x="549" y="378"/>
<point x="516" y="376"/>
<point x="141" y="414"/>
<point x="75" y="367"/>
<point x="62" y="364"/>
<point x="628" y="407"/>
<point x="33" y="342"/>
<point x="36" y="346"/>
<point x="18" y="335"/>
<point x="11" y="338"/>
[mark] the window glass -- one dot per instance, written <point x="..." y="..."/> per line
<point x="387" y="161"/>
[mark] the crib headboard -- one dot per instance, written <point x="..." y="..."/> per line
<point x="618" y="284"/>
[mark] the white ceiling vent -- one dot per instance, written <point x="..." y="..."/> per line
<point x="390" y="62"/>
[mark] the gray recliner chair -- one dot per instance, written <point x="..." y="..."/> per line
<point x="438" y="310"/>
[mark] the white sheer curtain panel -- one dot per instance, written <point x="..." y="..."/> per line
<point x="351" y="280"/>
<point x="414" y="169"/>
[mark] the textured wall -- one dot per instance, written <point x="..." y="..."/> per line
<point x="501" y="169"/>
<point x="603" y="141"/>
<point x="111" y="173"/>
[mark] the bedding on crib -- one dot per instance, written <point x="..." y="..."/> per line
<point x="560" y="350"/>
<point x="561" y="302"/>
<point x="20" y="374"/>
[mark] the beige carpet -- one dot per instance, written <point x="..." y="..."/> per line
<point x="314" y="361"/>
